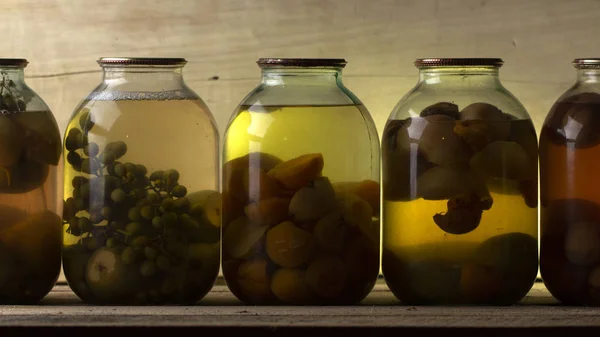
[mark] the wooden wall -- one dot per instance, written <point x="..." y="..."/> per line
<point x="380" y="39"/>
<point x="223" y="38"/>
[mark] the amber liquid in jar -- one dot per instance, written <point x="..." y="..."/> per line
<point x="570" y="201"/>
<point x="143" y="218"/>
<point x="462" y="232"/>
<point x="30" y="229"/>
<point x="300" y="205"/>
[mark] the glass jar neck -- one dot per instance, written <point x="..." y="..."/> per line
<point x="588" y="76"/>
<point x="301" y="76"/>
<point x="468" y="77"/>
<point x="166" y="77"/>
<point x="15" y="74"/>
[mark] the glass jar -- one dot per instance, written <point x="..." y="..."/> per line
<point x="142" y="207"/>
<point x="570" y="203"/>
<point x="459" y="189"/>
<point x="30" y="199"/>
<point x="301" y="189"/>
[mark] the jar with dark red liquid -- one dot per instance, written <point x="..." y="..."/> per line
<point x="569" y="190"/>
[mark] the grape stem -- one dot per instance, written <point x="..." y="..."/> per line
<point x="155" y="190"/>
<point x="123" y="232"/>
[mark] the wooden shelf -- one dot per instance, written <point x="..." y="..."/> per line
<point x="61" y="313"/>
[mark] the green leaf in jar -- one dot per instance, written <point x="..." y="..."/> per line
<point x="26" y="96"/>
<point x="9" y="102"/>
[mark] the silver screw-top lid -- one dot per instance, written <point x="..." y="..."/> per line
<point x="586" y="63"/>
<point x="141" y="61"/>
<point x="458" y="62"/>
<point x="13" y="62"/>
<point x="301" y="62"/>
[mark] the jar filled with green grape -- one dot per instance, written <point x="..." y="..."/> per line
<point x="30" y="191"/>
<point x="142" y="207"/>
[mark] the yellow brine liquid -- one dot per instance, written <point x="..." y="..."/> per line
<point x="301" y="204"/>
<point x="142" y="208"/>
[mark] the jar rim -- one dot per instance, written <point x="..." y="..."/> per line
<point x="301" y="63"/>
<point x="142" y="61"/>
<point x="586" y="63"/>
<point x="10" y="62"/>
<point x="458" y="62"/>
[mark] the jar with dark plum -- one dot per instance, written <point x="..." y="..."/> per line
<point x="459" y="189"/>
<point x="30" y="191"/>
<point x="569" y="185"/>
<point x="301" y="189"/>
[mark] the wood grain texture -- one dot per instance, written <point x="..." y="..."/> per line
<point x="62" y="39"/>
<point x="380" y="39"/>
<point x="219" y="313"/>
<point x="220" y="307"/>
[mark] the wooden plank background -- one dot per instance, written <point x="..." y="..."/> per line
<point x="380" y="39"/>
<point x="222" y="39"/>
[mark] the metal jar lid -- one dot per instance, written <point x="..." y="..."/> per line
<point x="458" y="62"/>
<point x="586" y="63"/>
<point x="141" y="61"/>
<point x="301" y="62"/>
<point x="13" y="62"/>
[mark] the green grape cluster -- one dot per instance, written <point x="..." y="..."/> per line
<point x="144" y="219"/>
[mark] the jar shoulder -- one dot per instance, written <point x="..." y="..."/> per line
<point x="282" y="95"/>
<point x="421" y="98"/>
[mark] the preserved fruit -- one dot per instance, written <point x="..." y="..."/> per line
<point x="30" y="195"/>
<point x="459" y="189"/>
<point x="143" y="223"/>
<point x="570" y="206"/>
<point x="301" y="190"/>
